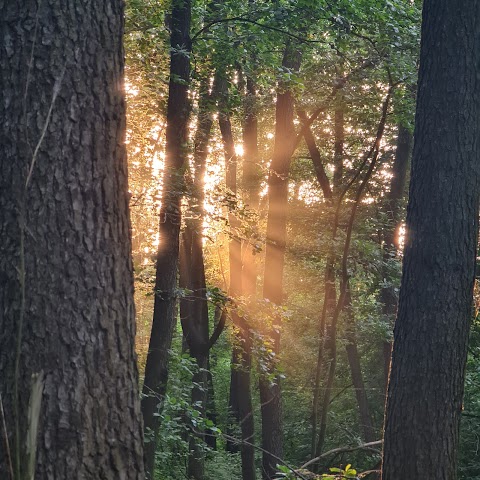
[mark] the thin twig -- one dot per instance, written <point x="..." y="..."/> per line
<point x="363" y="446"/>
<point x="56" y="90"/>
<point x="243" y="19"/>
<point x="218" y="329"/>
<point x="338" y="84"/>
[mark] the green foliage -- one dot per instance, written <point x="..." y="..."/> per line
<point x="178" y="418"/>
<point x="335" y="473"/>
<point x="469" y="462"/>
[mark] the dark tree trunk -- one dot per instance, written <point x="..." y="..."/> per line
<point x="251" y="181"/>
<point x="240" y="391"/>
<point x="353" y="355"/>
<point x="330" y="295"/>
<point x="196" y="326"/>
<point x="164" y="313"/>
<point x="430" y="340"/>
<point x="324" y="345"/>
<point x="319" y="414"/>
<point x="235" y="246"/>
<point x="354" y="361"/>
<point x="190" y="271"/>
<point x="211" y="414"/>
<point x="339" y="143"/>
<point x="330" y="342"/>
<point x="393" y="210"/>
<point x="195" y="322"/>
<point x="67" y="323"/>
<point x="197" y="336"/>
<point x="270" y="392"/>
<point x="240" y="378"/>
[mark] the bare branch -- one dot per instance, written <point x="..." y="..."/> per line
<point x="363" y="446"/>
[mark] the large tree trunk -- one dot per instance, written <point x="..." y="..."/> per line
<point x="270" y="392"/>
<point x="430" y="341"/>
<point x="388" y="295"/>
<point x="164" y="312"/>
<point x="66" y="303"/>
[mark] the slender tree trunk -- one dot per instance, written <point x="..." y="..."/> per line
<point x="330" y="343"/>
<point x="324" y="330"/>
<point x="319" y="417"/>
<point x="339" y="143"/>
<point x="196" y="330"/>
<point x="68" y="383"/>
<point x="240" y="389"/>
<point x="388" y="295"/>
<point x="240" y="381"/>
<point x="270" y="392"/>
<point x="231" y="164"/>
<point x="354" y="361"/>
<point x="239" y="370"/>
<point x="211" y="414"/>
<point x="353" y="355"/>
<point x="251" y="180"/>
<point x="427" y="374"/>
<point x="196" y="324"/>
<point x="330" y="295"/>
<point x="164" y="313"/>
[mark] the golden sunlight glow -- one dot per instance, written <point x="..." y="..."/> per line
<point x="239" y="150"/>
<point x="402" y="232"/>
<point x="158" y="163"/>
<point x="131" y="90"/>
<point x="308" y="193"/>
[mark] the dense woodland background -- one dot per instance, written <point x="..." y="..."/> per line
<point x="298" y="248"/>
<point x="269" y="148"/>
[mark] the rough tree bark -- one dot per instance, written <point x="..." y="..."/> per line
<point x="67" y="321"/>
<point x="270" y="392"/>
<point x="430" y="340"/>
<point x="164" y="312"/>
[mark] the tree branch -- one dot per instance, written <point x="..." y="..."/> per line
<point x="218" y="329"/>
<point x="316" y="159"/>
<point x="243" y="19"/>
<point x="363" y="446"/>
